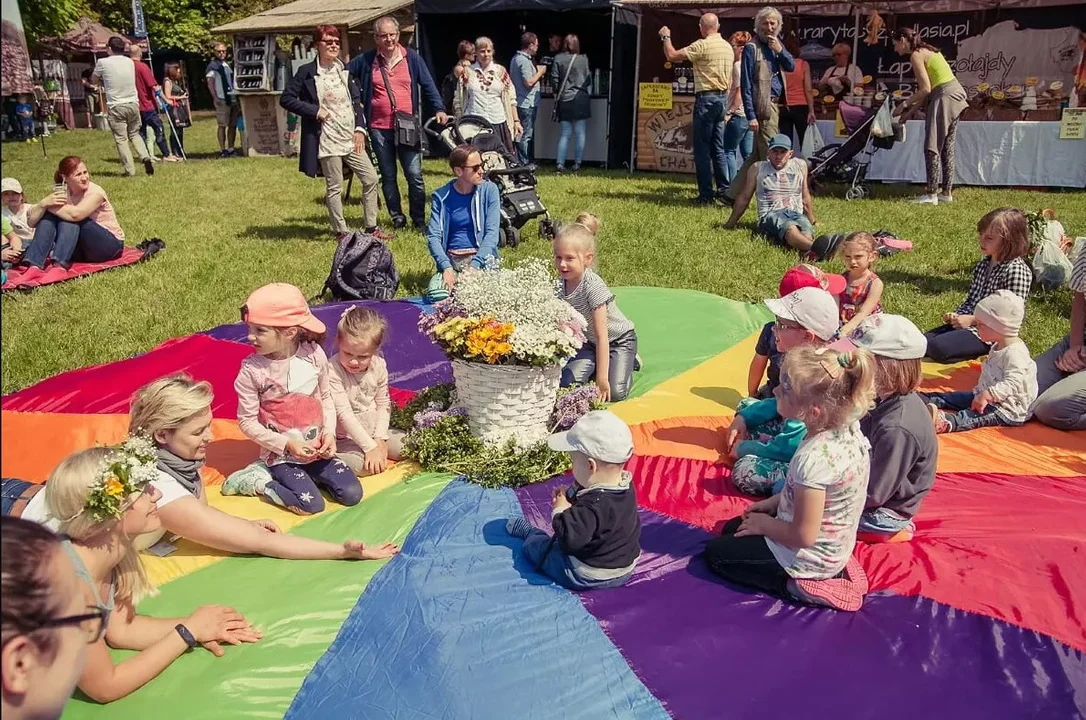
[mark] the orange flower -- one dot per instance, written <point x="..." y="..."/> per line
<point x="113" y="486"/>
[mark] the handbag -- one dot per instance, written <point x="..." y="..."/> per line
<point x="405" y="125"/>
<point x="561" y="88"/>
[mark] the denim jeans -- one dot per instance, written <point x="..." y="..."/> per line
<point x="960" y="414"/>
<point x="11" y="491"/>
<point x="151" y="119"/>
<point x="85" y="240"/>
<point x="387" y="151"/>
<point x="738" y="144"/>
<point x="548" y="558"/>
<point x="581" y="368"/>
<point x="710" y="161"/>
<point x="577" y="127"/>
<point x="524" y="145"/>
<point x="27" y="125"/>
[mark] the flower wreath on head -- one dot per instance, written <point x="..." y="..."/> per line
<point x="126" y="470"/>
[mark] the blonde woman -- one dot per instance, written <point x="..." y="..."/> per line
<point x="175" y="413"/>
<point x="487" y="91"/>
<point x="104" y="498"/>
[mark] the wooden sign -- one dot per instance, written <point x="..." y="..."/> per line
<point x="262" y="124"/>
<point x="1073" y="124"/>
<point x="665" y="138"/>
<point x="654" y="96"/>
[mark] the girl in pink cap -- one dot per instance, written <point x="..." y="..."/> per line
<point x="285" y="402"/>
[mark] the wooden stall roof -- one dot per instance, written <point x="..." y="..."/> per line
<point x="304" y="15"/>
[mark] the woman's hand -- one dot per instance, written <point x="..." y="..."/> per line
<point x="605" y="389"/>
<point x="518" y="130"/>
<point x="323" y="114"/>
<point x="54" y="200"/>
<point x="359" y="141"/>
<point x="212" y="625"/>
<point x="377" y="459"/>
<point x="811" y="118"/>
<point x="355" y="550"/>
<point x="961" y="322"/>
<point x="448" y="276"/>
<point x="1073" y="360"/>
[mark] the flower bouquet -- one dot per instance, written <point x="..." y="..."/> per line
<point x="507" y="334"/>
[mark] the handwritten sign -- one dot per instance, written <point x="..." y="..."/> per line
<point x="262" y="123"/>
<point x="1073" y="124"/>
<point x="654" y="96"/>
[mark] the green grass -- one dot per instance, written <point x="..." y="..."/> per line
<point x="232" y="225"/>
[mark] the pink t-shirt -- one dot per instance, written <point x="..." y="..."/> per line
<point x="399" y="76"/>
<point x="104" y="215"/>
<point x="281" y="400"/>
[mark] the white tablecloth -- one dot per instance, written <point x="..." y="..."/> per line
<point x="987" y="153"/>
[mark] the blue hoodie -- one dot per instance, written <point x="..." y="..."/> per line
<point x="485" y="215"/>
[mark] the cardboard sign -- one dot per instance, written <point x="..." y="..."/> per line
<point x="1073" y="124"/>
<point x="654" y="96"/>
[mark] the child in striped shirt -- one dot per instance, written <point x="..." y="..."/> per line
<point x="609" y="356"/>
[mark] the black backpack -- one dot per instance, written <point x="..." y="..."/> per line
<point x="362" y="269"/>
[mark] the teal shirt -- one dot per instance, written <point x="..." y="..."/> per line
<point x="781" y="447"/>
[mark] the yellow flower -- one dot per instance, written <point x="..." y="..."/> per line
<point x="113" y="486"/>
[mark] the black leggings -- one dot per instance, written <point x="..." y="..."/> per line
<point x="794" y="117"/>
<point x="947" y="344"/>
<point x="746" y="561"/>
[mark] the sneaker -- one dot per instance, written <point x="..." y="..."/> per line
<point x="382" y="235"/>
<point x="938" y="419"/>
<point x="943" y="199"/>
<point x="576" y="167"/>
<point x="148" y="166"/>
<point x="840" y="593"/>
<point x="224" y="153"/>
<point x="703" y="200"/>
<point x="559" y="169"/>
<point x="925" y="200"/>
<point x="251" y="480"/>
<point x="399" y="223"/>
<point x="518" y="527"/>
<point x="723" y="199"/>
<point x="232" y="152"/>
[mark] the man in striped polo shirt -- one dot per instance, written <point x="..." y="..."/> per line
<point x="712" y="58"/>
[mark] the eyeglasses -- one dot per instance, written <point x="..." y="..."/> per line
<point x="92" y="623"/>
<point x="331" y="41"/>
<point x="473" y="168"/>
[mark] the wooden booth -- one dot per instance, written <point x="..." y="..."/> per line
<point x="269" y="47"/>
<point x="1016" y="60"/>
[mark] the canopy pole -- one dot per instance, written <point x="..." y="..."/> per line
<point x="610" y="84"/>
<point x="856" y="38"/>
<point x="637" y="91"/>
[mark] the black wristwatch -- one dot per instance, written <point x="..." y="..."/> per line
<point x="186" y="636"/>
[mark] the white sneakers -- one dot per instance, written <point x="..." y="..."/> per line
<point x="932" y="200"/>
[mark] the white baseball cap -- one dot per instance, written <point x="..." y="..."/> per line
<point x="890" y="336"/>
<point x="811" y="307"/>
<point x="10" y="184"/>
<point x="599" y="434"/>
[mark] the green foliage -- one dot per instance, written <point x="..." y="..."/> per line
<point x="403" y="418"/>
<point x="449" y="446"/>
<point x="1037" y="224"/>
<point x="49" y="18"/>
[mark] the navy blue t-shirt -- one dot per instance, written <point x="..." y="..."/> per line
<point x="461" y="229"/>
<point x="767" y="347"/>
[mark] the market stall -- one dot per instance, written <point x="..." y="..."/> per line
<point x="263" y="65"/>
<point x="1017" y="64"/>
<point x="608" y="39"/>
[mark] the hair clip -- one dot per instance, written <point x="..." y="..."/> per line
<point x="833" y="369"/>
<point x="343" y="315"/>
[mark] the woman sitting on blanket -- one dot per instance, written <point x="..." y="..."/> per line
<point x="104" y="498"/>
<point x="76" y="222"/>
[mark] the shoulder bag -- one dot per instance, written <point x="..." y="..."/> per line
<point x="561" y="89"/>
<point x="405" y="125"/>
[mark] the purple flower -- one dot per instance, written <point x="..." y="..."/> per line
<point x="442" y="311"/>
<point x="433" y="414"/>
<point x="571" y="406"/>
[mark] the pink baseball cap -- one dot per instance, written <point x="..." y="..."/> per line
<point x="280" y="305"/>
<point x="805" y="275"/>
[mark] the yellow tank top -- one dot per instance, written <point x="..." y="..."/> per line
<point x="939" y="72"/>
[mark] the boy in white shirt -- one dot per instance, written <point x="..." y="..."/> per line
<point x="1008" y="377"/>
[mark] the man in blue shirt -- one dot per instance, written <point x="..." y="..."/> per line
<point x="526" y="79"/>
<point x="764" y="59"/>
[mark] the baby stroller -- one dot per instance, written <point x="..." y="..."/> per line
<point x="849" y="161"/>
<point x="516" y="183"/>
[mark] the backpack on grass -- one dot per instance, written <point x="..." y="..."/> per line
<point x="362" y="269"/>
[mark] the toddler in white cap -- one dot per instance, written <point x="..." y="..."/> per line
<point x="1008" y="377"/>
<point x="597" y="533"/>
<point x="15" y="207"/>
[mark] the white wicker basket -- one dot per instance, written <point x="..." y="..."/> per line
<point x="507" y="401"/>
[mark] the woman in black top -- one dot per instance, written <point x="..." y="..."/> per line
<point x="570" y="77"/>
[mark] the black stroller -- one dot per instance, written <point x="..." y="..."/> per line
<point x="848" y="162"/>
<point x="516" y="183"/>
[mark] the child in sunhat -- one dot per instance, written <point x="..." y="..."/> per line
<point x="759" y="440"/>
<point x="904" y="451"/>
<point x="1008" y="377"/>
<point x="15" y="208"/>
<point x="285" y="402"/>
<point x="597" y="533"/>
<point x="767" y="358"/>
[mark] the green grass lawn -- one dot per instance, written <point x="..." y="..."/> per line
<point x="232" y="225"/>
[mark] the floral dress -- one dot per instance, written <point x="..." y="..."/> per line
<point x="854" y="296"/>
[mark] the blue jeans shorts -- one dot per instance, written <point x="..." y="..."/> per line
<point x="776" y="223"/>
